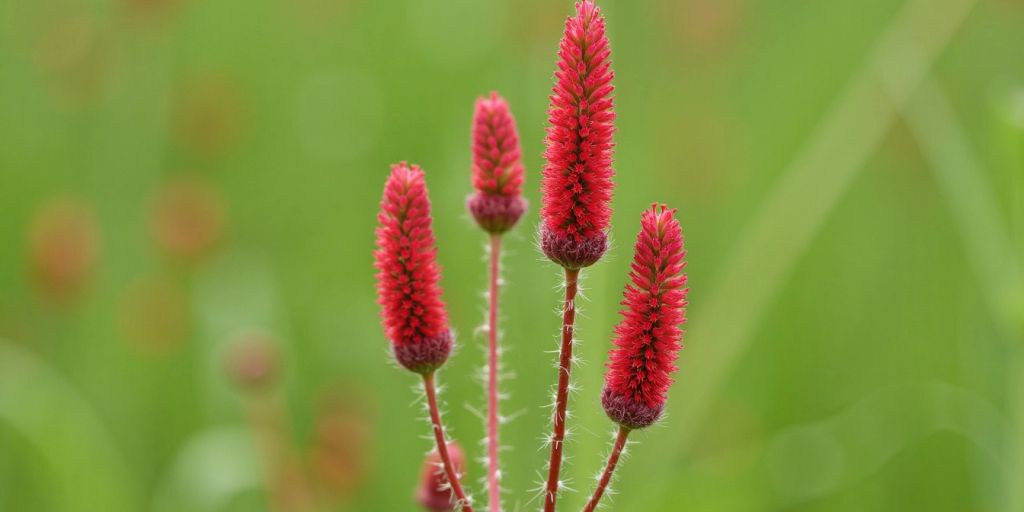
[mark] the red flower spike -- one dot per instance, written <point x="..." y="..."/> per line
<point x="497" y="167"/>
<point x="407" y="273"/>
<point x="648" y="337"/>
<point x="434" y="493"/>
<point x="577" y="179"/>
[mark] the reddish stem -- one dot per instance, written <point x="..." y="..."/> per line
<point x="442" y="445"/>
<point x="613" y="459"/>
<point x="493" y="490"/>
<point x="562" y="395"/>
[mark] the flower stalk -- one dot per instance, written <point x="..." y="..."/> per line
<point x="414" y="316"/>
<point x="493" y="398"/>
<point x="442" y="445"/>
<point x="562" y="392"/>
<point x="497" y="205"/>
<point x="577" y="186"/>
<point x="606" y="475"/>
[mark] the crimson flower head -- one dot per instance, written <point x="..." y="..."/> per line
<point x="407" y="273"/>
<point x="648" y="337"/>
<point x="577" y="178"/>
<point x="497" y="167"/>
<point x="434" y="493"/>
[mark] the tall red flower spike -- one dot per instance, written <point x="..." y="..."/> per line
<point x="577" y="179"/>
<point x="434" y="493"/>
<point x="649" y="336"/>
<point x="407" y="273"/>
<point x="496" y="205"/>
<point x="497" y="167"/>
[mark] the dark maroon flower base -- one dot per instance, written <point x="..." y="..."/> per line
<point x="496" y="213"/>
<point x="628" y="412"/>
<point x="573" y="253"/>
<point x="425" y="356"/>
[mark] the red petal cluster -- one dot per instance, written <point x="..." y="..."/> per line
<point x="497" y="165"/>
<point x="407" y="271"/>
<point x="577" y="178"/>
<point x="648" y="337"/>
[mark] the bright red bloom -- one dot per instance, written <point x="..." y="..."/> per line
<point x="648" y="337"/>
<point x="577" y="180"/>
<point x="407" y="279"/>
<point x="497" y="166"/>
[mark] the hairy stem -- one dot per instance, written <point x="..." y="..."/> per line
<point x="442" y="445"/>
<point x="613" y="459"/>
<point x="494" y="492"/>
<point x="562" y="395"/>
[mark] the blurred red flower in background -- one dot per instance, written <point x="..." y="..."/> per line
<point x="63" y="247"/>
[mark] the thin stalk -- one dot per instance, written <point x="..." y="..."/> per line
<point x="493" y="490"/>
<point x="562" y="395"/>
<point x="442" y="445"/>
<point x="613" y="459"/>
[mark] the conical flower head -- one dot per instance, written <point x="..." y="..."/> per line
<point x="407" y="273"/>
<point x="577" y="178"/>
<point x="497" y="162"/>
<point x="648" y="337"/>
<point x="497" y="166"/>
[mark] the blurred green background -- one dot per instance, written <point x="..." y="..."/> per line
<point x="178" y="174"/>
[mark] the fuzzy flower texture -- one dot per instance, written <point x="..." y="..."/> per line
<point x="577" y="178"/>
<point x="407" y="273"/>
<point x="498" y="201"/>
<point x="648" y="337"/>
